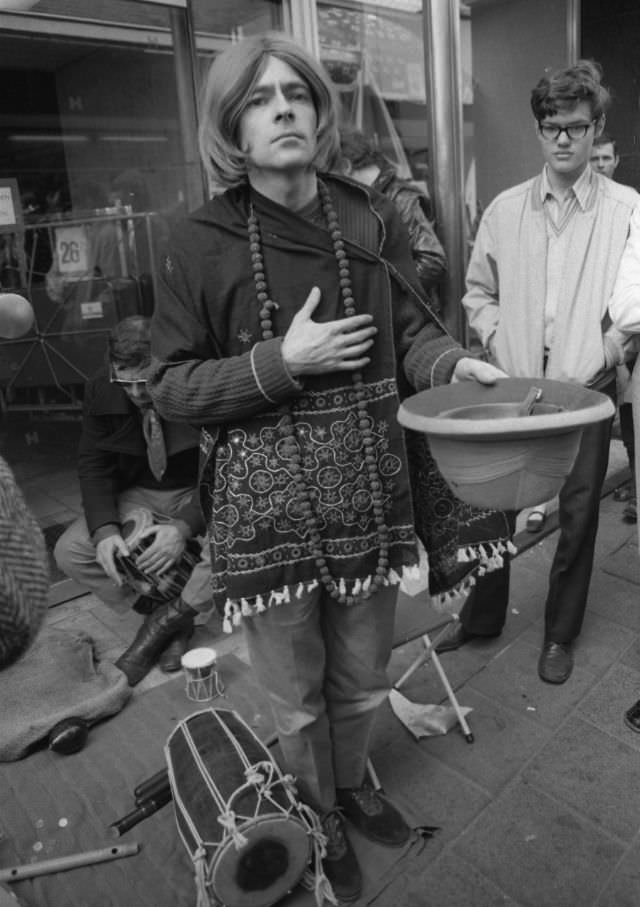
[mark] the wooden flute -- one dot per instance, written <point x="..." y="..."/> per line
<point x="72" y="861"/>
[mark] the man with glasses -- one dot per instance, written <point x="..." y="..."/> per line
<point x="539" y="282"/>
<point x="131" y="461"/>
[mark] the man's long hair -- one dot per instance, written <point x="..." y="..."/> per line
<point x="231" y="79"/>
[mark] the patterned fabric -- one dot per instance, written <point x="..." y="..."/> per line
<point x="258" y="531"/>
<point x="461" y="541"/>
<point x="24" y="580"/>
<point x="154" y="438"/>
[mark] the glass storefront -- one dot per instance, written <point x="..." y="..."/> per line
<point x="98" y="151"/>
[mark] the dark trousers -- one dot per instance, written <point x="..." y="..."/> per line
<point x="484" y="612"/>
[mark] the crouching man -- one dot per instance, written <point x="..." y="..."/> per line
<point x="132" y="462"/>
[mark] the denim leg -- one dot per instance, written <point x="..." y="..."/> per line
<point x="358" y="641"/>
<point x="287" y="655"/>
<point x="323" y="666"/>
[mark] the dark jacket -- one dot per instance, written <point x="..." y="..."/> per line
<point x="412" y="205"/>
<point x="210" y="367"/>
<point x="112" y="456"/>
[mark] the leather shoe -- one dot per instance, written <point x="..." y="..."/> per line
<point x="340" y="863"/>
<point x="630" y="512"/>
<point x="373" y="815"/>
<point x="555" y="663"/>
<point x="455" y="637"/>
<point x="153" y="637"/>
<point x="170" y="660"/>
<point x="632" y="717"/>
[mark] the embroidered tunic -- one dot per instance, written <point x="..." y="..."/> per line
<point x="212" y="368"/>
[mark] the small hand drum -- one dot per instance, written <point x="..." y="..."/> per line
<point x="161" y="587"/>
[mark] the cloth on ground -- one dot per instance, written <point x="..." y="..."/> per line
<point x="59" y="677"/>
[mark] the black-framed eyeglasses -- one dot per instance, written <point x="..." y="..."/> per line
<point x="127" y="382"/>
<point x="552" y="132"/>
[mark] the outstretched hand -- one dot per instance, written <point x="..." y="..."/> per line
<point x="314" y="348"/>
<point x="470" y="369"/>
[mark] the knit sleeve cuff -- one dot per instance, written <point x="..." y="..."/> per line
<point x="104" y="531"/>
<point x="271" y="375"/>
<point x="442" y="366"/>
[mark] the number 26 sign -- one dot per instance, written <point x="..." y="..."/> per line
<point x="72" y="249"/>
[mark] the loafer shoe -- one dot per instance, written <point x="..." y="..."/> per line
<point x="632" y="717"/>
<point x="624" y="492"/>
<point x="555" y="663"/>
<point x="455" y="637"/>
<point x="340" y="863"/>
<point x="373" y="815"/>
<point x="630" y="512"/>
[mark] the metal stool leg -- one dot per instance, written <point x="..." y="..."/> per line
<point x="430" y="653"/>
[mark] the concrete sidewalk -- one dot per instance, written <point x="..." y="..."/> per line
<point x="543" y="809"/>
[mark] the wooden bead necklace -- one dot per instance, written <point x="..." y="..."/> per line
<point x="336" y="589"/>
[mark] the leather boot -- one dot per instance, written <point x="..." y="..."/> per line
<point x="152" y="638"/>
<point x="169" y="661"/>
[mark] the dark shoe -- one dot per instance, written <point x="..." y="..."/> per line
<point x="144" y="604"/>
<point x="630" y="512"/>
<point x="555" y="663"/>
<point x="624" y="492"/>
<point x="632" y="717"/>
<point x="340" y="863"/>
<point x="455" y="637"/>
<point x="536" y="520"/>
<point x="152" y="638"/>
<point x="373" y="815"/>
<point x="170" y="660"/>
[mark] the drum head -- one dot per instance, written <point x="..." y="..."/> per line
<point x="268" y="867"/>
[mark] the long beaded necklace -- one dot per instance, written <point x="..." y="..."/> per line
<point x="336" y="589"/>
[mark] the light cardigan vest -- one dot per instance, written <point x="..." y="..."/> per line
<point x="505" y="299"/>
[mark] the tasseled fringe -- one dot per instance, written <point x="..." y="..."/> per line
<point x="199" y="862"/>
<point x="235" y="609"/>
<point x="489" y="554"/>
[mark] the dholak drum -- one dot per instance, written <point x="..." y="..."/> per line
<point x="249" y="838"/>
<point x="163" y="587"/>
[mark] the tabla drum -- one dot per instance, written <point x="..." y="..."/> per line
<point x="161" y="587"/>
<point x="250" y="840"/>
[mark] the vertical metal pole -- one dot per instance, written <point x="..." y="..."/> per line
<point x="574" y="22"/>
<point x="301" y="21"/>
<point x="184" y="48"/>
<point x="441" y="23"/>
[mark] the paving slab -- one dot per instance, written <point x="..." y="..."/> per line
<point x="605" y="704"/>
<point x="622" y="888"/>
<point x="592" y="772"/>
<point x="614" y="598"/>
<point x="449" y="882"/>
<point x="431" y="791"/>
<point x="504" y="740"/>
<point x="512" y="679"/>
<point x="538" y="850"/>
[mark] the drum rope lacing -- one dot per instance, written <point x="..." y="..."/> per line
<point x="265" y="778"/>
